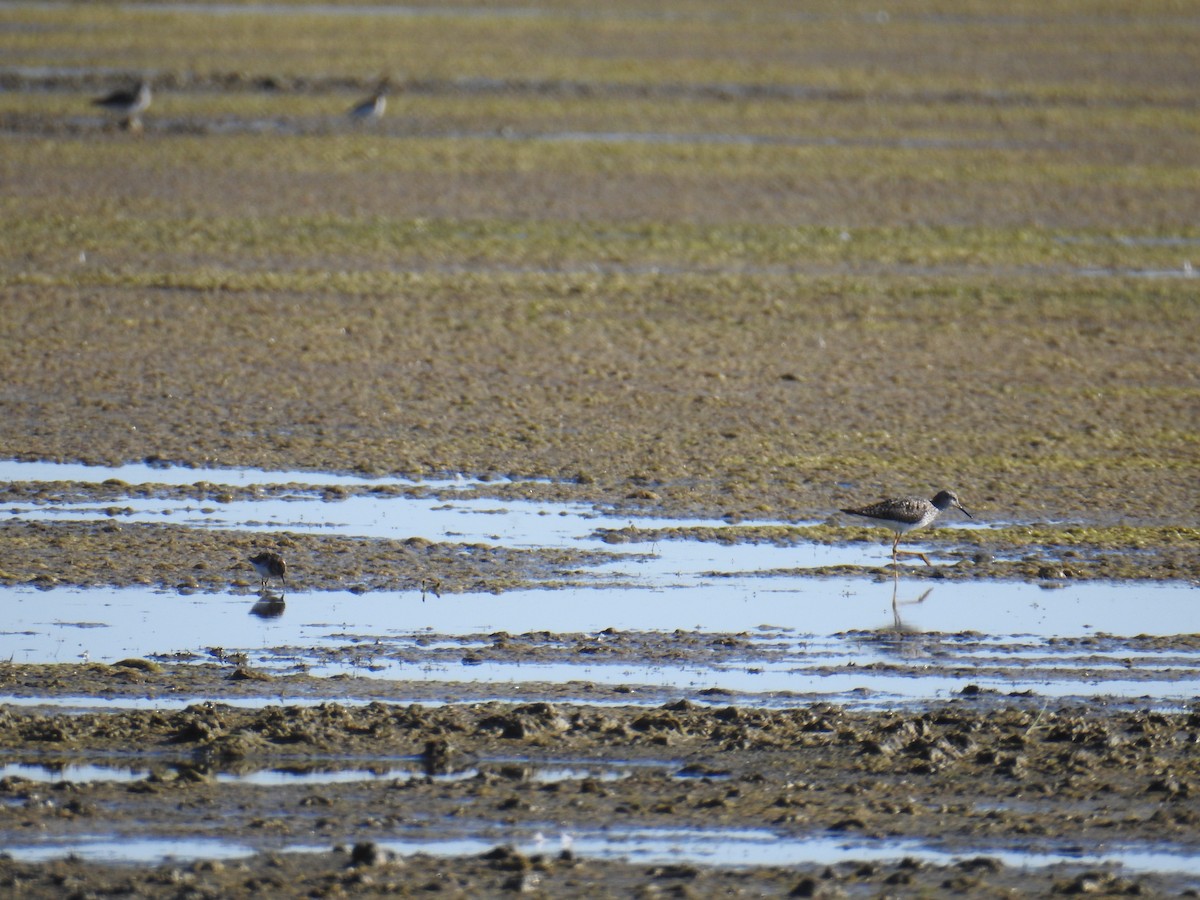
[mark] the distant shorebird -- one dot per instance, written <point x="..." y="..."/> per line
<point x="268" y="565"/>
<point x="129" y="105"/>
<point x="373" y="107"/>
<point x="905" y="514"/>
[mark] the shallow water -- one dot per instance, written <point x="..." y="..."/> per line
<point x="827" y="639"/>
<point x="147" y="473"/>
<point x="313" y="770"/>
<point x="715" y="847"/>
<point x="857" y="640"/>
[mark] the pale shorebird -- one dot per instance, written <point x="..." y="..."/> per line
<point x="905" y="514"/>
<point x="373" y="107"/>
<point x="128" y="104"/>
<point x="268" y="565"/>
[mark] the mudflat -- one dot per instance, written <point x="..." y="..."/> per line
<point x="1051" y="781"/>
<point x="691" y="261"/>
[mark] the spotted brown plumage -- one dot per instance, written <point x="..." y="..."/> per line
<point x="905" y="514"/>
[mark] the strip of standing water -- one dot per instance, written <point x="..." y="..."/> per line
<point x="781" y="634"/>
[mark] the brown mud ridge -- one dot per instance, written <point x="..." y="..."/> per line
<point x="960" y="778"/>
<point x="116" y="553"/>
<point x="188" y="560"/>
<point x="367" y="870"/>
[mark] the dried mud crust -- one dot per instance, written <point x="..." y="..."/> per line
<point x="956" y="778"/>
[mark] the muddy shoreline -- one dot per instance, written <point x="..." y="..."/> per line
<point x="953" y="778"/>
<point x="369" y="870"/>
<point x="114" y="552"/>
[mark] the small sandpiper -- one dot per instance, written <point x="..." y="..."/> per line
<point x="905" y="514"/>
<point x="128" y="104"/>
<point x="373" y="107"/>
<point x="268" y="565"/>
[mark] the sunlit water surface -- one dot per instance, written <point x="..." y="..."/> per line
<point x="859" y="640"/>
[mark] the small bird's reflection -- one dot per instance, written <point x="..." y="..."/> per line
<point x="268" y="606"/>
<point x="431" y="586"/>
<point x="898" y="638"/>
<point x="898" y="626"/>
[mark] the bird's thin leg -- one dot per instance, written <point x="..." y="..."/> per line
<point x="915" y="553"/>
<point x="897" y="552"/>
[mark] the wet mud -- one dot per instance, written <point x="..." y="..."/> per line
<point x="117" y="552"/>
<point x="367" y="870"/>
<point x="186" y="559"/>
<point x="953" y="778"/>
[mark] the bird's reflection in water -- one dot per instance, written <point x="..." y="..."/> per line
<point x="900" y="639"/>
<point x="268" y="606"/>
<point x="898" y="625"/>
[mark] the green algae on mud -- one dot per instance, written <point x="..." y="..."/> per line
<point x="738" y="396"/>
<point x="845" y="46"/>
<point x="733" y="328"/>
<point x="284" y="251"/>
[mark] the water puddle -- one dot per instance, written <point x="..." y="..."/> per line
<point x="466" y="520"/>
<point x="668" y="615"/>
<point x="73" y="773"/>
<point x="758" y="140"/>
<point x="1184" y="271"/>
<point x="136" y="851"/>
<point x="312" y="771"/>
<point x="712" y="847"/>
<point x="783" y="639"/>
<point x="525" y="524"/>
<point x="85" y="773"/>
<point x="152" y="473"/>
<point x="751" y="847"/>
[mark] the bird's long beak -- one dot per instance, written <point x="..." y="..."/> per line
<point x="963" y="510"/>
